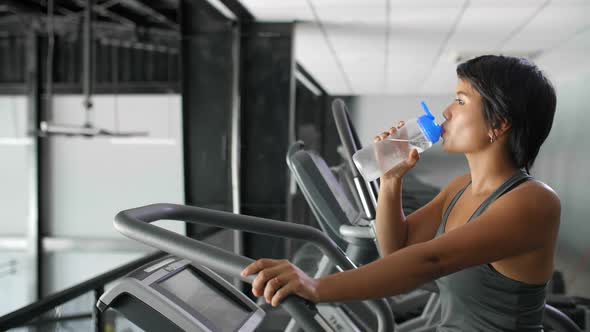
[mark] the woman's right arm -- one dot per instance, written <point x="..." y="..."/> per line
<point x="394" y="230"/>
<point x="390" y="223"/>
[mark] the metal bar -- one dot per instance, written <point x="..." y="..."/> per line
<point x="241" y="12"/>
<point x="107" y="88"/>
<point x="97" y="315"/>
<point x="49" y="63"/>
<point x="149" y="11"/>
<point x="23" y="315"/>
<point x="292" y="135"/>
<point x="301" y="70"/>
<point x="87" y="60"/>
<point x="235" y="148"/>
<point x="558" y="321"/>
<point x="351" y="144"/>
<point x="108" y="4"/>
<point x="60" y="9"/>
<point x="45" y="321"/>
<point x="104" y="11"/>
<point x="125" y="30"/>
<point x="35" y="166"/>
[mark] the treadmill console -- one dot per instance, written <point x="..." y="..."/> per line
<point x="172" y="294"/>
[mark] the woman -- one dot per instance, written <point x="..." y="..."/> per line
<point x="488" y="239"/>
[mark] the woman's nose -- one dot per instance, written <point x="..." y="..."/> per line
<point x="446" y="114"/>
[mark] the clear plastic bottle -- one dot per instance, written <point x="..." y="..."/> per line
<point x="376" y="159"/>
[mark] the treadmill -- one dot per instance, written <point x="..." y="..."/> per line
<point x="184" y="292"/>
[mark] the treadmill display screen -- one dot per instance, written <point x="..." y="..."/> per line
<point x="211" y="303"/>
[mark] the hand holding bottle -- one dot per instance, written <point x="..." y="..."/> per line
<point x="399" y="170"/>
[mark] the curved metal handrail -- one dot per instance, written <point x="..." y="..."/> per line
<point x="136" y="224"/>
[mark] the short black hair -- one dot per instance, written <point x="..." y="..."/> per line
<point x="516" y="91"/>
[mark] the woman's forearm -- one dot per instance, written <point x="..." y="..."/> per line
<point x="397" y="273"/>
<point x="391" y="227"/>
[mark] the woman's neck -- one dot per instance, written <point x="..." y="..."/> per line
<point x="488" y="171"/>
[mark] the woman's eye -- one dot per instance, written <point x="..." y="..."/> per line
<point x="460" y="101"/>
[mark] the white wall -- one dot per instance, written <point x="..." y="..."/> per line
<point x="91" y="179"/>
<point x="16" y="156"/>
<point x="563" y="163"/>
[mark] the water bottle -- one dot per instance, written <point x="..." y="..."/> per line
<point x="376" y="159"/>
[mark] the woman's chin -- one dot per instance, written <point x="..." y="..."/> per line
<point x="445" y="147"/>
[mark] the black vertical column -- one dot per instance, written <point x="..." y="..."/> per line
<point x="210" y="46"/>
<point x="267" y="126"/>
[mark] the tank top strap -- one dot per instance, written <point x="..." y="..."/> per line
<point x="511" y="183"/>
<point x="451" y="205"/>
<point x="508" y="185"/>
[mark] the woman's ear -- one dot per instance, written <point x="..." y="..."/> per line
<point x="502" y="128"/>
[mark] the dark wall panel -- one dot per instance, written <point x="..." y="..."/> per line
<point x="119" y="66"/>
<point x="267" y="127"/>
<point x="12" y="59"/>
<point x="310" y="109"/>
<point x="209" y="59"/>
<point x="309" y="117"/>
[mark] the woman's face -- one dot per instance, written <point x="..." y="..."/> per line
<point x="465" y="129"/>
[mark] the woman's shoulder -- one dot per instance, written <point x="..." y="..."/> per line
<point x="534" y="199"/>
<point x="534" y="187"/>
<point x="533" y="203"/>
<point x="537" y="191"/>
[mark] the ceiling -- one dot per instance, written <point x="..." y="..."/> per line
<point x="411" y="47"/>
<point x="385" y="47"/>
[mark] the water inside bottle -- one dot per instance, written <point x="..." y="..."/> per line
<point x="420" y="144"/>
<point x="386" y="156"/>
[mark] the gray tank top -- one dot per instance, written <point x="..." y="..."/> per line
<point x="480" y="298"/>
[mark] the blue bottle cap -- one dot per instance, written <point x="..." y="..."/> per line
<point x="430" y="128"/>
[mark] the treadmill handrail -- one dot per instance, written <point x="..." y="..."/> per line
<point x="345" y="132"/>
<point x="559" y="321"/>
<point x="136" y="224"/>
<point x="351" y="144"/>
